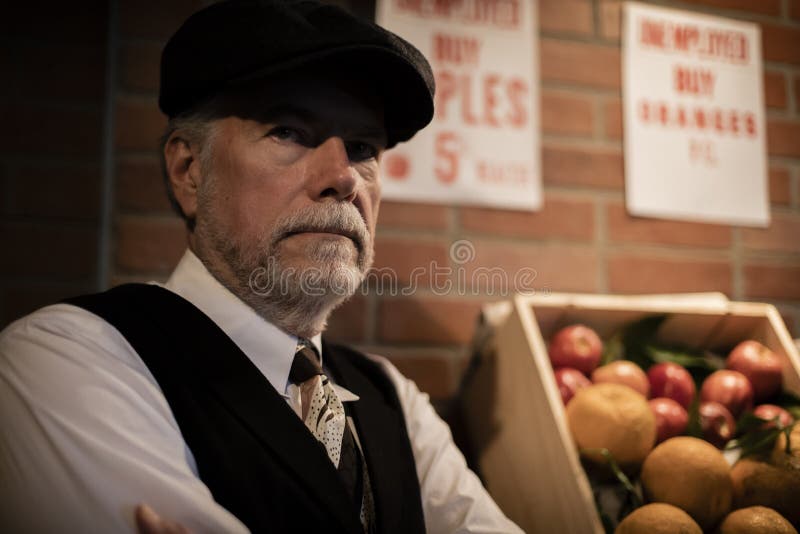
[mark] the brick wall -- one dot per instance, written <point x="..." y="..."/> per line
<point x="52" y="97"/>
<point x="582" y="240"/>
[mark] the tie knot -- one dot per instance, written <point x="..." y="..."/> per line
<point x="306" y="363"/>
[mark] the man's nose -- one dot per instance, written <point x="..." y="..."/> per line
<point x="333" y="173"/>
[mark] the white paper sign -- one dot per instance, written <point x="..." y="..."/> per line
<point x="483" y="145"/>
<point x="695" y="141"/>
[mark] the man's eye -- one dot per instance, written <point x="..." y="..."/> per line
<point x="360" y="151"/>
<point x="285" y="133"/>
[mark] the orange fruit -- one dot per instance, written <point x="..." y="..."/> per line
<point x="658" y="518"/>
<point x="776" y="486"/>
<point x="756" y="520"/>
<point x="613" y="417"/>
<point x="691" y="474"/>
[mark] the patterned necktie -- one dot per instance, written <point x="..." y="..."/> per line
<point x="324" y="415"/>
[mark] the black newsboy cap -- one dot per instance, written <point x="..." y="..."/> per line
<point x="234" y="41"/>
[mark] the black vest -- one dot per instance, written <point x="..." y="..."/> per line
<point x="252" y="451"/>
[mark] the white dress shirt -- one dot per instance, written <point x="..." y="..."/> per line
<point x="87" y="433"/>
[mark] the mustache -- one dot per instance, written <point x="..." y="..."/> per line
<point x="337" y="217"/>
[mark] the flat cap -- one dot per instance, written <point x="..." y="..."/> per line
<point x="234" y="41"/>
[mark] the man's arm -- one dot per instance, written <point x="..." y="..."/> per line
<point x="453" y="498"/>
<point x="87" y="434"/>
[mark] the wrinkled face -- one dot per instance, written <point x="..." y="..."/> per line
<point x="289" y="194"/>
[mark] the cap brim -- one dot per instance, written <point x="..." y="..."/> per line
<point x="408" y="106"/>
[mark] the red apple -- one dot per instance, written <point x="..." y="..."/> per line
<point x="623" y="372"/>
<point x="730" y="388"/>
<point x="576" y="346"/>
<point x="760" y="365"/>
<point x="569" y="381"/>
<point x="717" y="423"/>
<point x="672" y="381"/>
<point x="770" y="412"/>
<point x="671" y="418"/>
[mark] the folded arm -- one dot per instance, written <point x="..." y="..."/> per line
<point x="88" y="434"/>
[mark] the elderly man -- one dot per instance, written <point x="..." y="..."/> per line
<point x="212" y="398"/>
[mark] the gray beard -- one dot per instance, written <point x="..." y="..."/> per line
<point x="297" y="300"/>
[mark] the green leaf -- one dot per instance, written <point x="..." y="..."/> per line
<point x="643" y="330"/>
<point x="613" y="349"/>
<point x="662" y="354"/>
<point x="694" y="428"/>
<point x="750" y="422"/>
<point x="636" y="335"/>
<point x="754" y="436"/>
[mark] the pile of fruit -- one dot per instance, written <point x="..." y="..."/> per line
<point x="668" y="423"/>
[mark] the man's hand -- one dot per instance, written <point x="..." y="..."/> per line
<point x="149" y="522"/>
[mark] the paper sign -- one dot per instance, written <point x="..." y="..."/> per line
<point x="483" y="145"/>
<point x="695" y="141"/>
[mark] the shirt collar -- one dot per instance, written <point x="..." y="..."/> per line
<point x="269" y="348"/>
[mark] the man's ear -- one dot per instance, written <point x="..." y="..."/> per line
<point x="182" y="159"/>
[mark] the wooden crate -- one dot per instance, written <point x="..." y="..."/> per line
<point x="512" y="408"/>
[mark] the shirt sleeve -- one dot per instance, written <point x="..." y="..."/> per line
<point x="87" y="434"/>
<point x="453" y="498"/>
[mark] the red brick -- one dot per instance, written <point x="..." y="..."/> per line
<point x="499" y="268"/>
<point x="348" y="322"/>
<point x="780" y="191"/>
<point x="410" y="215"/>
<point x="783" y="138"/>
<point x="427" y="320"/>
<point x="23" y="299"/>
<point x="612" y="112"/>
<point x="138" y="66"/>
<point x="569" y="16"/>
<point x="433" y="370"/>
<point x="58" y="251"/>
<point x="763" y="7"/>
<point x="781" y="282"/>
<point x="580" y="63"/>
<point x="397" y="258"/>
<point x="582" y="166"/>
<point x="624" y="228"/>
<point x="639" y="274"/>
<point x="80" y="71"/>
<point x="796" y="85"/>
<point x="138" y="124"/>
<point x="775" y="90"/>
<point x="783" y="234"/>
<point x="39" y="131"/>
<point x="781" y="43"/>
<point x="154" y="19"/>
<point x="56" y="191"/>
<point x="565" y="113"/>
<point x="140" y="186"/>
<point x="610" y="19"/>
<point x="560" y="218"/>
<point x="149" y="244"/>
